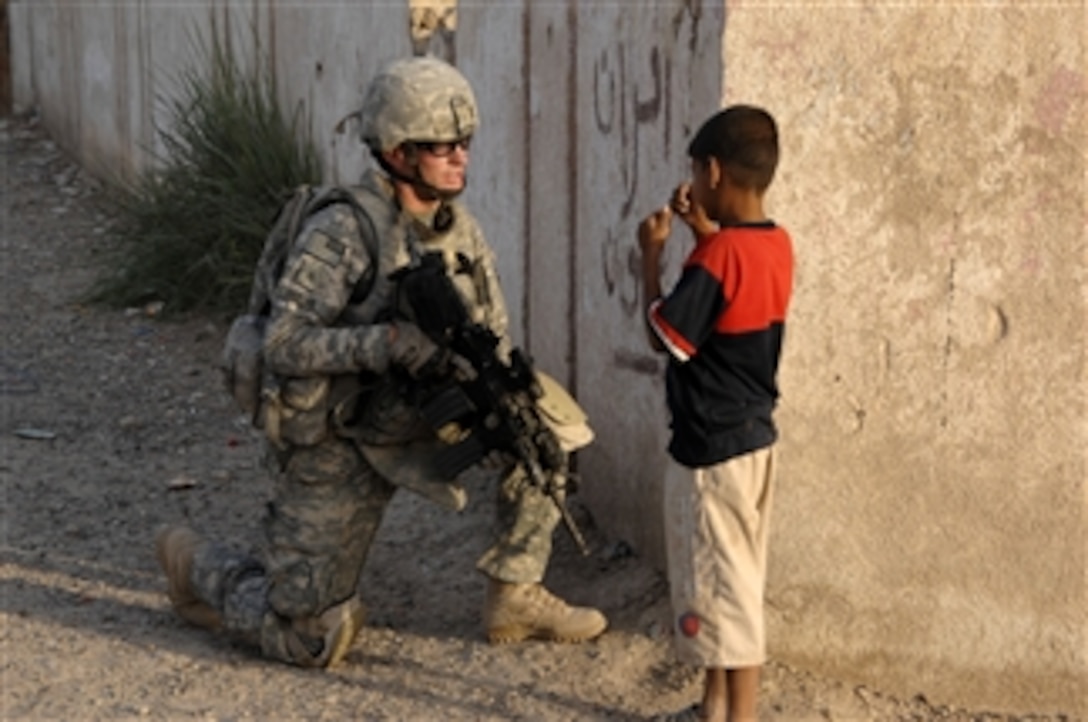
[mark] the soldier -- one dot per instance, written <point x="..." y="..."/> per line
<point x="335" y="344"/>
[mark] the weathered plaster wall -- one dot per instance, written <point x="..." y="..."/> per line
<point x="5" y="60"/>
<point x="645" y="81"/>
<point x="931" y="521"/>
<point x="930" y="528"/>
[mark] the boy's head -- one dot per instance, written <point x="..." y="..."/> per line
<point x="744" y="139"/>
<point x="734" y="156"/>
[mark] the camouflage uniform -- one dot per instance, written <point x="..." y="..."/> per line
<point x="328" y="499"/>
<point x="336" y="411"/>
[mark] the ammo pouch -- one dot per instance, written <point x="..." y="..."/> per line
<point x="292" y="411"/>
<point x="242" y="363"/>
<point x="295" y="411"/>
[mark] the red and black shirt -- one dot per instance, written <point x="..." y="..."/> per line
<point x="723" y="325"/>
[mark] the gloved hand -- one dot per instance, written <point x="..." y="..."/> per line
<point x="415" y="352"/>
<point x="461" y="368"/>
<point x="496" y="460"/>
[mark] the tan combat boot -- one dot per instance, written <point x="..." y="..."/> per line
<point x="175" y="547"/>
<point x="515" y="612"/>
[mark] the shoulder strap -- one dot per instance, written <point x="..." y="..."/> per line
<point x="325" y="197"/>
<point x="277" y="243"/>
<point x="331" y="195"/>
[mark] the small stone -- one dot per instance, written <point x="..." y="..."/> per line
<point x="35" y="434"/>
<point x="181" y="481"/>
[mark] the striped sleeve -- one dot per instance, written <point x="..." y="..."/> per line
<point x="687" y="316"/>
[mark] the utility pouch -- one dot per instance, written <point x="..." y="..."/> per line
<point x="306" y="394"/>
<point x="303" y="408"/>
<point x="241" y="363"/>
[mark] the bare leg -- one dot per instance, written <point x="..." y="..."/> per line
<point x="715" y="696"/>
<point x="743" y="692"/>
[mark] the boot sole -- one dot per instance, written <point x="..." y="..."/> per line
<point x="344" y="640"/>
<point x="198" y="614"/>
<point x="512" y="634"/>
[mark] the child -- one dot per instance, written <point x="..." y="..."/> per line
<point x="722" y="326"/>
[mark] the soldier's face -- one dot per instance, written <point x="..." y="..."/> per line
<point x="444" y="165"/>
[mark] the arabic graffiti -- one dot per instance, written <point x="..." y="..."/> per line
<point x="631" y="104"/>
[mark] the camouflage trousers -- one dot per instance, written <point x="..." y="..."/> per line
<point x="318" y="528"/>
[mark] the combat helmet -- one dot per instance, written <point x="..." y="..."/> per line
<point x="417" y="99"/>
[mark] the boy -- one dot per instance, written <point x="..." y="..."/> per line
<point x="722" y="326"/>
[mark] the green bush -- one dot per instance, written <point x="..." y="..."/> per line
<point x="190" y="229"/>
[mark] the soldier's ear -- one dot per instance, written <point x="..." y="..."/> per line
<point x="402" y="157"/>
<point x="409" y="153"/>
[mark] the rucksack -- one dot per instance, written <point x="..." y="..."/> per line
<point x="242" y="359"/>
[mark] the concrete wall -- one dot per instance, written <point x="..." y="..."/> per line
<point x="645" y="83"/>
<point x="930" y="528"/>
<point x="931" y="521"/>
<point x="5" y="60"/>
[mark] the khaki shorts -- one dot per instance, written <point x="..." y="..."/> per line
<point x="716" y="529"/>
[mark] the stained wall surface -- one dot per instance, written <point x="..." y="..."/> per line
<point x="931" y="517"/>
<point x="930" y="527"/>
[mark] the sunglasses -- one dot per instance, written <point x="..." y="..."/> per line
<point x="442" y="148"/>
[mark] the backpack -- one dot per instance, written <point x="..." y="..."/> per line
<point x="242" y="361"/>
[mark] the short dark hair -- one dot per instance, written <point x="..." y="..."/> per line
<point x="744" y="139"/>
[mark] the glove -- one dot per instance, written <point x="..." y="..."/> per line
<point x="411" y="349"/>
<point x="461" y="368"/>
<point x="497" y="460"/>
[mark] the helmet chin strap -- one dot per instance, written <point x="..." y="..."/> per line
<point x="423" y="189"/>
<point x="443" y="217"/>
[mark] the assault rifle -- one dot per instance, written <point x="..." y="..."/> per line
<point x="495" y="409"/>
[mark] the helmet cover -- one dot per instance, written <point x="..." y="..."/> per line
<point x="417" y="99"/>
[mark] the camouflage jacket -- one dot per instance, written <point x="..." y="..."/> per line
<point x="322" y="325"/>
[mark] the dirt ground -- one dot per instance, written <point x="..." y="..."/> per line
<point x="114" y="423"/>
